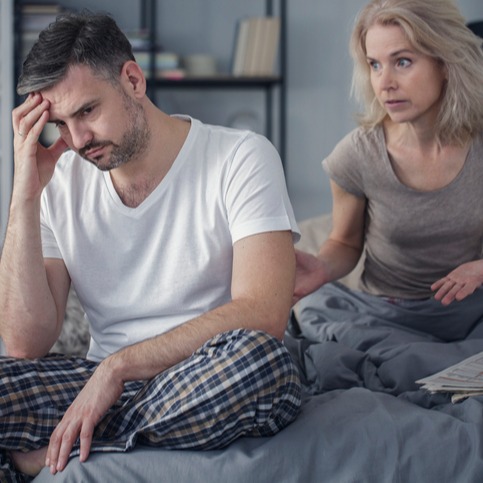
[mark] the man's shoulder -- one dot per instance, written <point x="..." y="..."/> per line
<point x="226" y="134"/>
<point x="224" y="147"/>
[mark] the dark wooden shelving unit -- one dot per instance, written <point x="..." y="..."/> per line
<point x="274" y="87"/>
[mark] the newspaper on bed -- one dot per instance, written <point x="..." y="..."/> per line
<point x="463" y="380"/>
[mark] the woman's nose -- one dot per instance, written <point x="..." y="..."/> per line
<point x="387" y="79"/>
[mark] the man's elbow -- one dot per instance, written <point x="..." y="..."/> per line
<point x="26" y="354"/>
<point x="276" y="321"/>
<point x="23" y="351"/>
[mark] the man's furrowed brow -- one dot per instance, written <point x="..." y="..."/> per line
<point x="77" y="112"/>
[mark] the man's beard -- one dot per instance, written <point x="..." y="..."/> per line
<point x="133" y="144"/>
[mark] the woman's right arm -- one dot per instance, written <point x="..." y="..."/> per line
<point x="340" y="253"/>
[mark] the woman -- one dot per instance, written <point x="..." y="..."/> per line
<point x="407" y="184"/>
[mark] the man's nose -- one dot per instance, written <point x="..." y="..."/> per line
<point x="81" y="136"/>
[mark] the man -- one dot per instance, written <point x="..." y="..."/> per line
<point x="178" y="238"/>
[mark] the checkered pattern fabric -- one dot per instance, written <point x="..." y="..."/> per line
<point x="238" y="383"/>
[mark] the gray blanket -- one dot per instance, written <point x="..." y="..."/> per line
<point x="364" y="418"/>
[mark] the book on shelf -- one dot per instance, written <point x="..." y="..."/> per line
<point x="41" y="8"/>
<point x="256" y="46"/>
<point x="240" y="48"/>
<point x="462" y="380"/>
<point x="35" y="18"/>
<point x="139" y="39"/>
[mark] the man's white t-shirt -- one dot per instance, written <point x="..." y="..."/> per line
<point x="142" y="271"/>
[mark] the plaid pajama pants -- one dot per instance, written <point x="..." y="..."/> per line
<point x="239" y="383"/>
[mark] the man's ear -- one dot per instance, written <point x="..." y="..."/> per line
<point x="132" y="77"/>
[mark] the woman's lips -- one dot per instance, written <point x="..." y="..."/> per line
<point x="392" y="104"/>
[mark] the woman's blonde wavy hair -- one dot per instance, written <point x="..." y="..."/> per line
<point x="435" y="28"/>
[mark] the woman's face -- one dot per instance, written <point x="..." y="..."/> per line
<point x="408" y="84"/>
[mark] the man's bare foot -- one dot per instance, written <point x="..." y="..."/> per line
<point x="30" y="463"/>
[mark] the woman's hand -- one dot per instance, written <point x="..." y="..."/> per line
<point x="309" y="276"/>
<point x="459" y="283"/>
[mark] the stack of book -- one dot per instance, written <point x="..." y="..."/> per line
<point x="256" y="47"/>
<point x="462" y="380"/>
<point x="139" y="40"/>
<point x="36" y="17"/>
<point x="166" y="64"/>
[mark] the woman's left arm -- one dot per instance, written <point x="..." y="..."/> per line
<point x="459" y="283"/>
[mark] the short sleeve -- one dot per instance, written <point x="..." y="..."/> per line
<point x="344" y="165"/>
<point x="256" y="195"/>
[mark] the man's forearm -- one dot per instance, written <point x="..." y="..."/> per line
<point x="28" y="316"/>
<point x="146" y="359"/>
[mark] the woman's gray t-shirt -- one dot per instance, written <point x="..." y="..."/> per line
<point x="412" y="238"/>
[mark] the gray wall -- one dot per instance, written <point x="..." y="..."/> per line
<point x="320" y="111"/>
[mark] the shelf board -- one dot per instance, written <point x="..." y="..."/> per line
<point x="229" y="82"/>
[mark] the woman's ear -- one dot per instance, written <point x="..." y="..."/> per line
<point x="133" y="78"/>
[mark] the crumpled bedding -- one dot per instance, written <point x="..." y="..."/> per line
<point x="364" y="419"/>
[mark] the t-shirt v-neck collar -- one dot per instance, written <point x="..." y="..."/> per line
<point x="162" y="186"/>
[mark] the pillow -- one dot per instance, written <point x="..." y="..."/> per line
<point x="313" y="233"/>
<point x="74" y="338"/>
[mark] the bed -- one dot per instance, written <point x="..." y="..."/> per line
<point x="364" y="419"/>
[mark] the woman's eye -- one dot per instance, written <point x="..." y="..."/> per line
<point x="374" y="65"/>
<point x="404" y="62"/>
